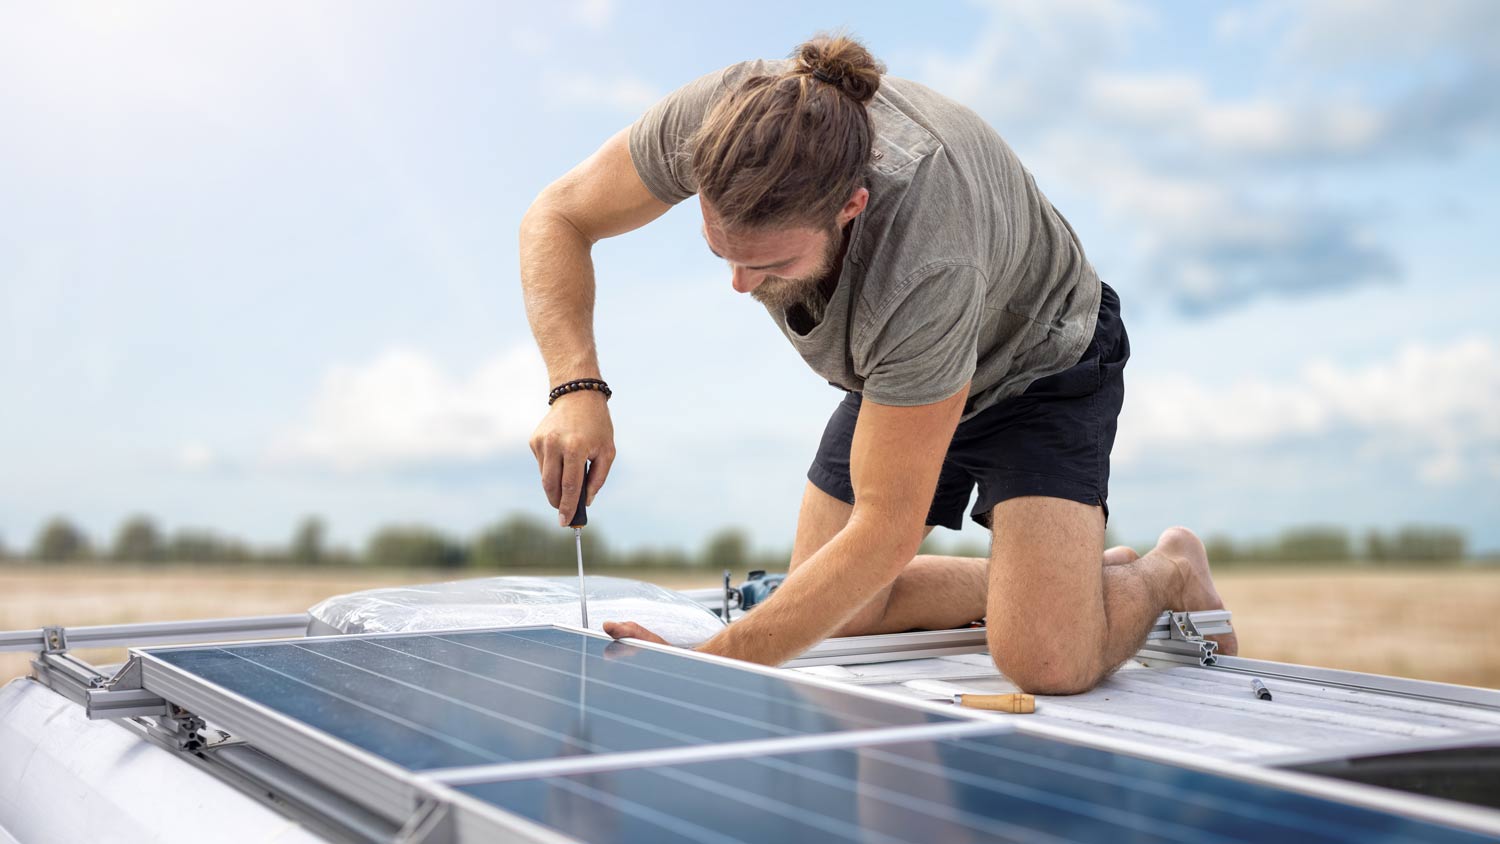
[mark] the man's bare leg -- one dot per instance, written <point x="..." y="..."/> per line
<point x="1059" y="622"/>
<point x="934" y="592"/>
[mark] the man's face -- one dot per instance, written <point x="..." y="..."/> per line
<point x="777" y="267"/>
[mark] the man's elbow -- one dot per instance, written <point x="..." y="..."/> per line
<point x="893" y="539"/>
<point x="545" y="220"/>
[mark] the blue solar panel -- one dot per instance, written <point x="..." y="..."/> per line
<point x="439" y="700"/>
<point x="1009" y="787"/>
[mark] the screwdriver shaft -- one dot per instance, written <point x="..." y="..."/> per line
<point x="583" y="594"/>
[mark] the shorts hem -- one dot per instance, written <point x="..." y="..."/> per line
<point x="1023" y="484"/>
<point x="831" y="484"/>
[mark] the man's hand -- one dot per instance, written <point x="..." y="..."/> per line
<point x="631" y="630"/>
<point x="575" y="431"/>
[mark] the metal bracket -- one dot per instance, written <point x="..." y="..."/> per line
<point x="122" y="696"/>
<point x="65" y="674"/>
<point x="1184" y="637"/>
<point x="54" y="639"/>
<point x="431" y="823"/>
<point x="179" y="728"/>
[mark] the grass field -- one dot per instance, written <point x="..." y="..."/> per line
<point x="1430" y="624"/>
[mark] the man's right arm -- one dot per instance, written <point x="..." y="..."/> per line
<point x="601" y="197"/>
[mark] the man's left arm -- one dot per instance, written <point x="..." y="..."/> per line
<point x="894" y="463"/>
<point x="927" y="349"/>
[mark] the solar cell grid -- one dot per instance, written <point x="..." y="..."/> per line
<point x="1009" y="787"/>
<point x="447" y="700"/>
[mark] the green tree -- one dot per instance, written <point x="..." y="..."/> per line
<point x="932" y="545"/>
<point x="308" y="542"/>
<point x="1315" y="544"/>
<point x="1429" y="543"/>
<point x="197" y="545"/>
<point x="656" y="558"/>
<point x="139" y="541"/>
<point x="60" y="541"/>
<point x="969" y="548"/>
<point x="1377" y="546"/>
<point x="1222" y="549"/>
<point x="727" y="549"/>
<point x="413" y="546"/>
<point x="523" y="541"/>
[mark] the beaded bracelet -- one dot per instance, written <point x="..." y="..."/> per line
<point x="580" y="384"/>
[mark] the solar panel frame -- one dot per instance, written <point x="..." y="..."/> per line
<point x="1407" y="804"/>
<point x="611" y="805"/>
<point x="396" y="792"/>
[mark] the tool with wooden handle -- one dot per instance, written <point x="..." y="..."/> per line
<point x="1016" y="703"/>
<point x="581" y="518"/>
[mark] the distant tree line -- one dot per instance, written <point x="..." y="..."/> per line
<point x="517" y="541"/>
<point x="1334" y="544"/>
<point x="522" y="541"/>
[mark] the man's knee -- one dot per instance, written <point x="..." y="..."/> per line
<point x="1047" y="668"/>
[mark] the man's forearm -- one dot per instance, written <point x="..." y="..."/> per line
<point x="557" y="280"/>
<point x="823" y="593"/>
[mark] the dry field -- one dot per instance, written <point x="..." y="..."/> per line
<point x="1434" y="625"/>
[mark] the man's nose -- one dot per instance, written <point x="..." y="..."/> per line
<point x="744" y="281"/>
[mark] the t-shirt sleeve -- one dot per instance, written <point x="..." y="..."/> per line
<point x="659" y="139"/>
<point x="926" y="346"/>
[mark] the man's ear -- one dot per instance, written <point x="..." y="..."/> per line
<point x="856" y="204"/>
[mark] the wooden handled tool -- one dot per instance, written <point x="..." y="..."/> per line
<point x="1016" y="703"/>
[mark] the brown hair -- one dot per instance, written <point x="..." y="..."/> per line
<point x="791" y="149"/>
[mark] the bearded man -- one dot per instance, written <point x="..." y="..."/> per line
<point x="902" y="248"/>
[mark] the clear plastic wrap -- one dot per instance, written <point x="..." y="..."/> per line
<point x="515" y="602"/>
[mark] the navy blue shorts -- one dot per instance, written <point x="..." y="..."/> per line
<point x="1054" y="439"/>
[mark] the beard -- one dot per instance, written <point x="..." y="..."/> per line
<point x="782" y="294"/>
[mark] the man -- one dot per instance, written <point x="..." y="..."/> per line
<point x="901" y="247"/>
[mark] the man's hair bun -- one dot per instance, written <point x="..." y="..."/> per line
<point x="790" y="149"/>
<point x="842" y="62"/>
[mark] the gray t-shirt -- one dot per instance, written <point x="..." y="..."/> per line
<point x="958" y="268"/>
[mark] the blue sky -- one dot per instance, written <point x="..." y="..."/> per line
<point x="259" y="260"/>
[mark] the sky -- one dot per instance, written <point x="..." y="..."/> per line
<point x="258" y="260"/>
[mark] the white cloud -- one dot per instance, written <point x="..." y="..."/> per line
<point x="1206" y="244"/>
<point x="1221" y="193"/>
<point x="1383" y="30"/>
<point x="1177" y="108"/>
<point x="403" y="409"/>
<point x="592" y="13"/>
<point x="1438" y="407"/>
<point x="1031" y="57"/>
<point x="617" y="92"/>
<point x="197" y="457"/>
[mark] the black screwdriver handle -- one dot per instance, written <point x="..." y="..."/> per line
<point x="581" y="515"/>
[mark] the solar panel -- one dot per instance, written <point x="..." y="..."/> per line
<point x="1008" y="787"/>
<point x="443" y="700"/>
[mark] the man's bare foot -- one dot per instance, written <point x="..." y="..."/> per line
<point x="1182" y="547"/>
<point x="1120" y="555"/>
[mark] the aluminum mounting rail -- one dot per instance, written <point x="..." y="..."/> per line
<point x="59" y="639"/>
<point x="1430" y="690"/>
<point x="1167" y="633"/>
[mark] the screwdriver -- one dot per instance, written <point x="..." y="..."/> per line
<point x="581" y="518"/>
